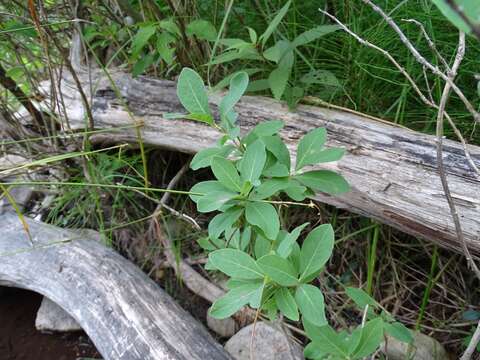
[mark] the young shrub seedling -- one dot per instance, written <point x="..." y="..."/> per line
<point x="267" y="268"/>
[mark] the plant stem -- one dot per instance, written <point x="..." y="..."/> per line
<point x="372" y="257"/>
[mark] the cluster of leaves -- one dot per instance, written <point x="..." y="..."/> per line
<point x="278" y="60"/>
<point x="363" y="340"/>
<point x="151" y="42"/>
<point x="267" y="268"/>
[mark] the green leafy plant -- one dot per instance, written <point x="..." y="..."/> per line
<point x="150" y="43"/>
<point x="464" y="14"/>
<point x="268" y="269"/>
<point x="278" y="60"/>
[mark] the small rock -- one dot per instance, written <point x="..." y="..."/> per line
<point x="51" y="317"/>
<point x="423" y="348"/>
<point x="269" y="343"/>
<point x="21" y="194"/>
<point x="223" y="327"/>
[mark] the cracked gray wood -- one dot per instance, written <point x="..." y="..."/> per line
<point x="125" y="314"/>
<point x="392" y="170"/>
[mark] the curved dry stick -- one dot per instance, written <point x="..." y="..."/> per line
<point x="125" y="314"/>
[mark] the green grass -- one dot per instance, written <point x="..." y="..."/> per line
<point x="371" y="84"/>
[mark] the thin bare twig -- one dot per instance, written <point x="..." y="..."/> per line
<point x="430" y="43"/>
<point x="412" y="82"/>
<point x="441" y="169"/>
<point x="472" y="345"/>
<point x="416" y="54"/>
<point x="166" y="196"/>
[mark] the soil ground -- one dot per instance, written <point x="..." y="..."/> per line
<point x="19" y="340"/>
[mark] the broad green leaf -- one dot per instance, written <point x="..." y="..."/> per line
<point x="16" y="27"/>
<point x="277" y="147"/>
<point x="469" y="8"/>
<point x="268" y="128"/>
<point x="246" y="53"/>
<point x="141" y="38"/>
<point x="264" y="216"/>
<point x="170" y="26"/>
<point x="329" y="155"/>
<point x="258" y="85"/>
<point x="233" y="43"/>
<point x="278" y="78"/>
<point x="314" y="34"/>
<point x="235" y="263"/>
<point x="312" y="351"/>
<point x="204" y="157"/>
<point x="163" y="47"/>
<point x="274" y="23"/>
<point x="226" y="173"/>
<point x="310" y="300"/>
<point x="256" y="299"/>
<point x="399" y="332"/>
<point x="293" y="94"/>
<point x="371" y="338"/>
<point x="296" y="191"/>
<point x="325" y="181"/>
<point x="234" y="283"/>
<point x="277" y="51"/>
<point x="238" y="85"/>
<point x="245" y="238"/>
<point x="309" y="146"/>
<point x="202" y="29"/>
<point x="471" y="315"/>
<point x="204" y="188"/>
<point x="285" y="247"/>
<point x="270" y="307"/>
<point x="276" y="170"/>
<point x="253" y="162"/>
<point x="223" y="221"/>
<point x="286" y="303"/>
<point x="208" y="244"/>
<point x="205" y="118"/>
<point x="226" y="81"/>
<point x="361" y="298"/>
<point x="227" y="56"/>
<point x="316" y="250"/>
<point x="253" y="35"/>
<point x="278" y="269"/>
<point x="294" y="256"/>
<point x="191" y="92"/>
<point x="269" y="187"/>
<point x="215" y="200"/>
<point x="322" y="77"/>
<point x="262" y="246"/>
<point x="325" y="339"/>
<point x="141" y="65"/>
<point x="234" y="300"/>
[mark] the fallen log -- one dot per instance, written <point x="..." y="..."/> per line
<point x="125" y="314"/>
<point x="392" y="170"/>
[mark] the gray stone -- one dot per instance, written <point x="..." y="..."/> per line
<point x="269" y="343"/>
<point x="423" y="348"/>
<point x="223" y="327"/>
<point x="51" y="317"/>
<point x="21" y="194"/>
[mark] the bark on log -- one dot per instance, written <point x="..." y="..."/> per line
<point x="392" y="170"/>
<point x="125" y="314"/>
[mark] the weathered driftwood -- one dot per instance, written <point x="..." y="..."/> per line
<point x="392" y="170"/>
<point x="125" y="313"/>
